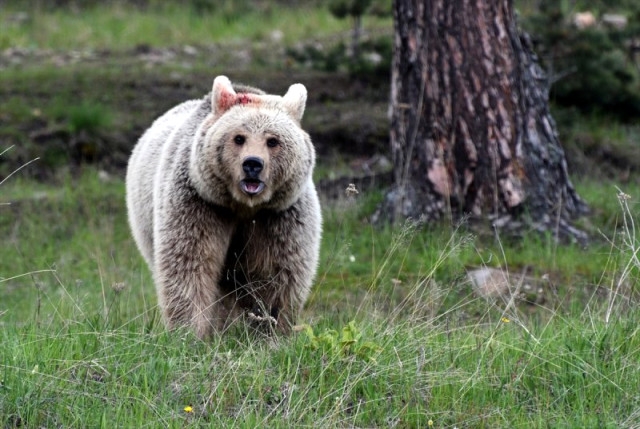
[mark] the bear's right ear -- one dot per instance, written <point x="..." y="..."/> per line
<point x="223" y="96"/>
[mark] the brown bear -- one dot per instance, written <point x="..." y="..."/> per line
<point x="223" y="208"/>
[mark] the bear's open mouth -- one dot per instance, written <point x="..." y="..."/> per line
<point x="251" y="187"/>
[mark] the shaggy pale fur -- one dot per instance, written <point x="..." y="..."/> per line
<point x="223" y="208"/>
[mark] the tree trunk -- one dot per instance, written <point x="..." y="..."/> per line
<point x="471" y="132"/>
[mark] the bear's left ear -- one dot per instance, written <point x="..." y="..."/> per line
<point x="294" y="100"/>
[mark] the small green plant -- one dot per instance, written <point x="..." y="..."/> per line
<point x="346" y="343"/>
<point x="88" y="117"/>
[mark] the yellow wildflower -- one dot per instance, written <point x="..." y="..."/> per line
<point x="188" y="409"/>
<point x="505" y="320"/>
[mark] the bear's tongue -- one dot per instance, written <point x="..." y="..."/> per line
<point x="252" y="187"/>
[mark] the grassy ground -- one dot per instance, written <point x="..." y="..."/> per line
<point x="393" y="334"/>
<point x="115" y="25"/>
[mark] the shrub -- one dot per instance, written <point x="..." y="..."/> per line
<point x="591" y="67"/>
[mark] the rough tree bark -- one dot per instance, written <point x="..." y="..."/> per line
<point x="471" y="131"/>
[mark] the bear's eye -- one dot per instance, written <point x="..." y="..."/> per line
<point x="272" y="142"/>
<point x="239" y="140"/>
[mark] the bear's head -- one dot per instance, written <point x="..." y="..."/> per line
<point x="250" y="152"/>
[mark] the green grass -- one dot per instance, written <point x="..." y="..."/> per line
<point x="565" y="374"/>
<point x="119" y="26"/>
<point x="392" y="334"/>
<point x="74" y="236"/>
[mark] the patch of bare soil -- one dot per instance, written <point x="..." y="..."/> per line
<point x="345" y="115"/>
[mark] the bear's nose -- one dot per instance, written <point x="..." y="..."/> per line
<point x="252" y="166"/>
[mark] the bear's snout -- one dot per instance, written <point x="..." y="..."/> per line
<point x="252" y="166"/>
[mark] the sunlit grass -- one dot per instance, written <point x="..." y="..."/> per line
<point x="118" y="26"/>
<point x="391" y="336"/>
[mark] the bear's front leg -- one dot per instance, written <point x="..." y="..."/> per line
<point x="284" y="249"/>
<point x="191" y="241"/>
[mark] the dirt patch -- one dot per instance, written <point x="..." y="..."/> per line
<point x="76" y="109"/>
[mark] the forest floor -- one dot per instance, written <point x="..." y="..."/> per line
<point x="89" y="108"/>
